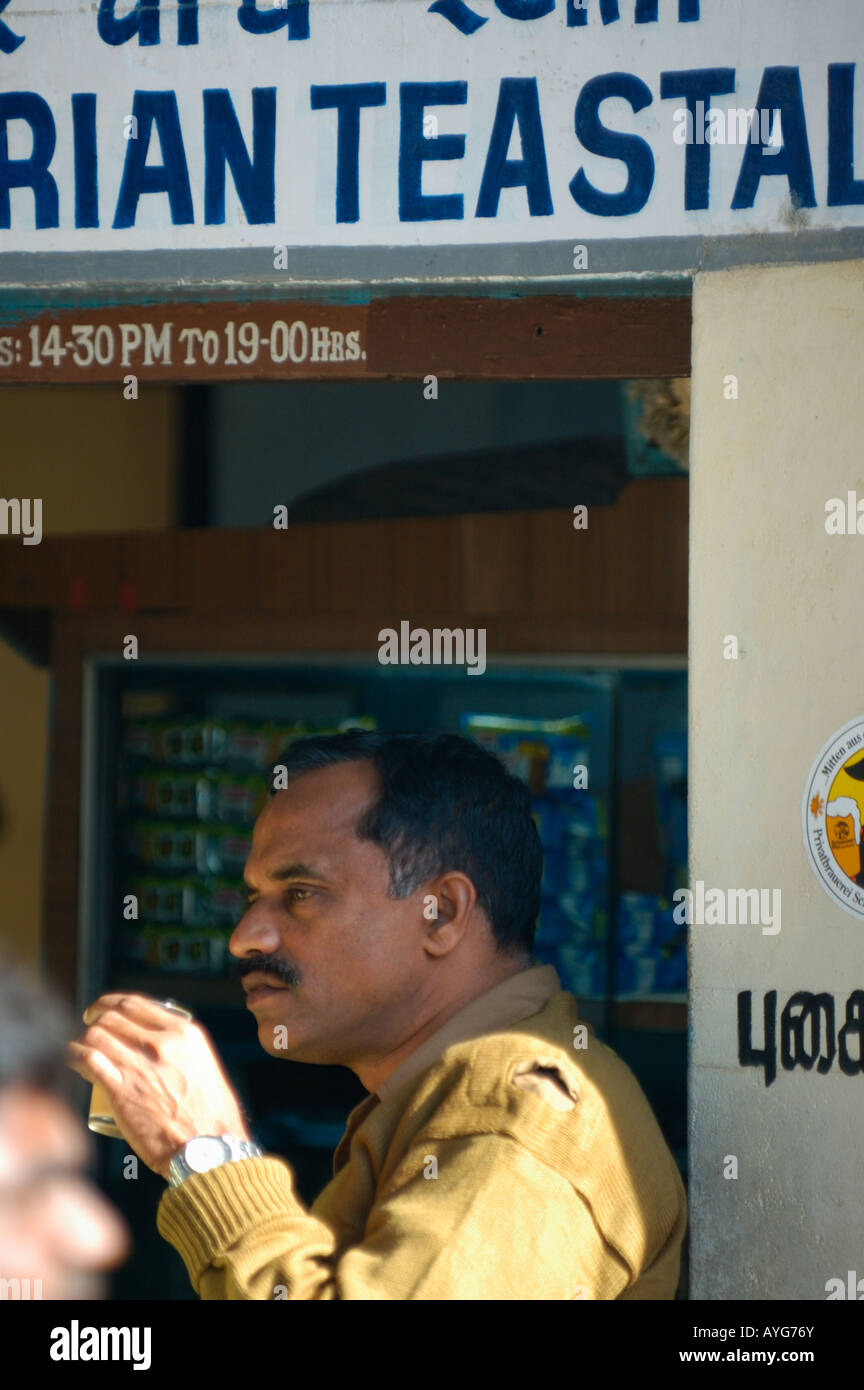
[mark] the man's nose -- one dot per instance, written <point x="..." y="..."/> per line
<point x="256" y="934"/>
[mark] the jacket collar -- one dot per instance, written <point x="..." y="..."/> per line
<point x="518" y="997"/>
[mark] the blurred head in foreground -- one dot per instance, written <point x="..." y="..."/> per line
<point x="56" y="1230"/>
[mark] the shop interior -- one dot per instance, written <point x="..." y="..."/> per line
<point x="551" y="513"/>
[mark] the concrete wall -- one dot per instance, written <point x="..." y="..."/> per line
<point x="99" y="463"/>
<point x="762" y="568"/>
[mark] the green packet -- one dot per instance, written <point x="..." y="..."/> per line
<point x="573" y="726"/>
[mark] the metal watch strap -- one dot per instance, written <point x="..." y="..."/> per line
<point x="179" y="1170"/>
<point x="242" y="1148"/>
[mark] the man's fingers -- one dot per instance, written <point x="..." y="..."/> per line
<point x="102" y="1005"/>
<point x="93" y="1065"/>
<point x="99" y="1042"/>
<point x="136" y="1006"/>
<point x="120" y="1025"/>
<point x="78" y="1058"/>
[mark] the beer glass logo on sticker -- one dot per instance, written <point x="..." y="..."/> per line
<point x="833" y="816"/>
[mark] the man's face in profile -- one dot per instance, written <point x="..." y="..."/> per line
<point x="345" y="958"/>
<point x="54" y="1225"/>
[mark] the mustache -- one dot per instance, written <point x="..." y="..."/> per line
<point x="280" y="969"/>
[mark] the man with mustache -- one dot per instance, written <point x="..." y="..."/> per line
<point x="393" y="890"/>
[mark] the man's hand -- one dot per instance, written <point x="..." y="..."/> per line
<point x="161" y="1073"/>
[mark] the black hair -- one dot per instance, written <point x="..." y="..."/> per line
<point x="35" y="1026"/>
<point x="445" y="804"/>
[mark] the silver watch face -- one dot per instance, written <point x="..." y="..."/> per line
<point x="205" y="1151"/>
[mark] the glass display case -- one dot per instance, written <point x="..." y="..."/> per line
<point x="178" y="762"/>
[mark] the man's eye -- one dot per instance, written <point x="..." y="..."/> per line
<point x="299" y="894"/>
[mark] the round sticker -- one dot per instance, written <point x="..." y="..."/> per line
<point x="833" y="816"/>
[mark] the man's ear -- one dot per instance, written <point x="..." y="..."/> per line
<point x="447" y="904"/>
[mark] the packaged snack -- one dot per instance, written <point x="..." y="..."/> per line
<point x="550" y="817"/>
<point x="670" y="763"/>
<point x="556" y="873"/>
<point x="192" y="742"/>
<point x="228" y="850"/>
<point x="162" y="845"/>
<point x="543" y="752"/>
<point x="575" y="871"/>
<point x="285" y="734"/>
<point x="583" y="971"/>
<point x="636" y="918"/>
<point x="672" y="969"/>
<point x="200" y="849"/>
<point x="206" y="951"/>
<point x="545" y="953"/>
<point x="586" y="819"/>
<point x="250" y="745"/>
<point x="565" y="754"/>
<point x="356" y="721"/>
<point x="159" y="899"/>
<point x="197" y="950"/>
<point x="235" y="798"/>
<point x="132" y="944"/>
<point x="636" y="969"/>
<point x="585" y="914"/>
<point x="553" y="927"/>
<point x="168" y="793"/>
<point x="226" y="902"/>
<point x="141" y="739"/>
<point x="168" y="949"/>
<point x="666" y="930"/>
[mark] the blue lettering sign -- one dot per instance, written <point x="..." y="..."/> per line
<point x="347" y="100"/>
<point x="415" y="148"/>
<point x="172" y="177"/>
<point x="467" y="21"/>
<point x="700" y="84"/>
<point x="33" y="171"/>
<point x="84" y="150"/>
<point x="255" y="178"/>
<point x="517" y="102"/>
<point x="843" y="188"/>
<point x="294" y="13"/>
<point x="781" y="89"/>
<point x="8" y="40"/>
<point x="143" y="21"/>
<point x="632" y="150"/>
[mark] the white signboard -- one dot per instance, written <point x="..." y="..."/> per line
<point x="588" y="135"/>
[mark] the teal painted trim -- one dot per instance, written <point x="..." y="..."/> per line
<point x="17" y="302"/>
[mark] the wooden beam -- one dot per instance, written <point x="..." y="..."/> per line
<point x="404" y="337"/>
<point x="529" y="572"/>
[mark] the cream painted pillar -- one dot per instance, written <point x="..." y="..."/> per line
<point x="763" y="569"/>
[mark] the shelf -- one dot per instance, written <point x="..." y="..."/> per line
<point x="666" y="1012"/>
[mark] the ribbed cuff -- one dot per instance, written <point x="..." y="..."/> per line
<point x="209" y="1212"/>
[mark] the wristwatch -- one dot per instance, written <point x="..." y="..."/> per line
<point x="207" y="1151"/>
